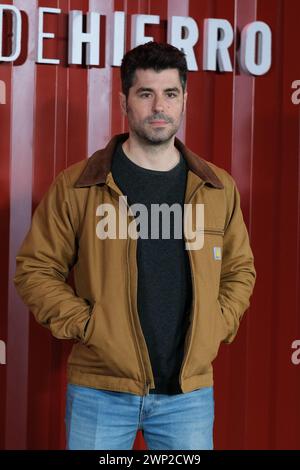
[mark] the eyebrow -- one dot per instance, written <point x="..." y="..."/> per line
<point x="139" y="90"/>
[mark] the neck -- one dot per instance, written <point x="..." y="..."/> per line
<point x="161" y="157"/>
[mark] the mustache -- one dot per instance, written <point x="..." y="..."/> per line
<point x="159" y="117"/>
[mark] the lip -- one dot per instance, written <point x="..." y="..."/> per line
<point x="158" y="123"/>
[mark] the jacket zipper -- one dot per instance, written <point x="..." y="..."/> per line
<point x="142" y="367"/>
<point x="188" y="339"/>
<point x="146" y="383"/>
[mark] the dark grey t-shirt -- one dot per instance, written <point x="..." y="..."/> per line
<point x="164" y="283"/>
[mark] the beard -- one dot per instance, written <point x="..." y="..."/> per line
<point x="154" y="135"/>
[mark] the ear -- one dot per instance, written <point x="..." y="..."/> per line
<point x="123" y="103"/>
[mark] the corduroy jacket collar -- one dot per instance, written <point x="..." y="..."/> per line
<point x="99" y="164"/>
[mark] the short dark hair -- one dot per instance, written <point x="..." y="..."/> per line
<point x="152" y="55"/>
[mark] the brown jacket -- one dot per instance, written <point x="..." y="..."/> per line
<point x="101" y="315"/>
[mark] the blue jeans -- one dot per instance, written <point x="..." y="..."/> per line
<point x="108" y="420"/>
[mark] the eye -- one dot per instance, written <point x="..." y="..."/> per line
<point x="145" y="95"/>
<point x="171" y="95"/>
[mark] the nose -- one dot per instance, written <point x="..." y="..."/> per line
<point x="158" y="104"/>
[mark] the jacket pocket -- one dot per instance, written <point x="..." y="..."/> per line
<point x="217" y="331"/>
<point x="223" y="327"/>
<point x="90" y="326"/>
<point x="208" y="260"/>
<point x="109" y="344"/>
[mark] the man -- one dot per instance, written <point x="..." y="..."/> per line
<point x="148" y="312"/>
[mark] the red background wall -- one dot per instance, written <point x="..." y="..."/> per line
<point x="57" y="115"/>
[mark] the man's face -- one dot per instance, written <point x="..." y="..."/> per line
<point x="155" y="105"/>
